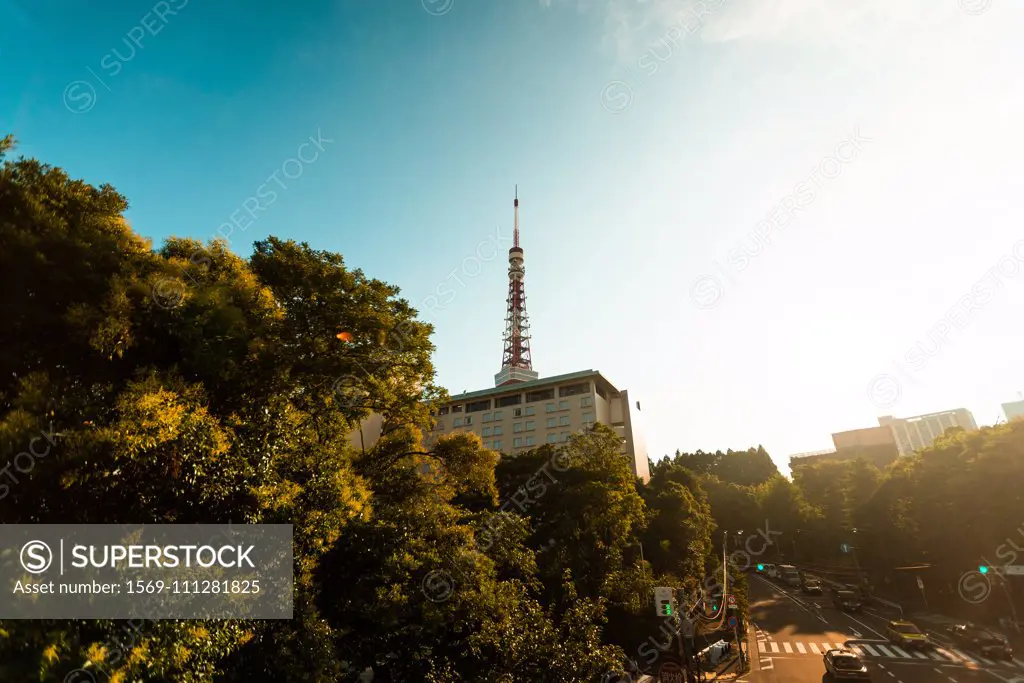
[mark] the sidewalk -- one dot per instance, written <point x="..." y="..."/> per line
<point x="726" y="670"/>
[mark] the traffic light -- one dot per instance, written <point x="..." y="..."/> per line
<point x="983" y="568"/>
<point x="760" y="567"/>
<point x="663" y="601"/>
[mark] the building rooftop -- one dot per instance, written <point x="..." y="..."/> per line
<point x="532" y="384"/>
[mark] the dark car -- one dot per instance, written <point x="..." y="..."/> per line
<point x="812" y="587"/>
<point x="907" y="635"/>
<point x="981" y="641"/>
<point x="843" y="664"/>
<point x="847" y="601"/>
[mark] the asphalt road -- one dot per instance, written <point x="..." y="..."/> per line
<point x="791" y="631"/>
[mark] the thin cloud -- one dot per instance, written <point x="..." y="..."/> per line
<point x="631" y="26"/>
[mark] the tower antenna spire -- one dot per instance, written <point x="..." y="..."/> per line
<point x="516" y="365"/>
<point x="515" y="229"/>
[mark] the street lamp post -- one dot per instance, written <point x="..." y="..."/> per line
<point x="862" y="579"/>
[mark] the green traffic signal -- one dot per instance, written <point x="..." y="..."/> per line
<point x="760" y="567"/>
<point x="983" y="569"/>
<point x="666" y="608"/>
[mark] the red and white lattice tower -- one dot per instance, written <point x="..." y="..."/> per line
<point x="516" y="365"/>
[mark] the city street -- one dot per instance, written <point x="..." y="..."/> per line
<point x="791" y="631"/>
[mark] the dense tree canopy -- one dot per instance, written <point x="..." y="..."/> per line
<point x="188" y="384"/>
<point x="936" y="514"/>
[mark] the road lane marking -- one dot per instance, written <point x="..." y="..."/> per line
<point x="864" y="625"/>
<point x="775" y="647"/>
<point x="885" y="651"/>
<point x="870" y="650"/>
<point x="797" y="602"/>
<point x="920" y="655"/>
<point x="789" y="649"/>
<point x="947" y="654"/>
<point x="901" y="652"/>
<point x="760" y="646"/>
<point x="800" y="647"/>
<point x="963" y="656"/>
<point x="936" y="656"/>
<point x="814" y="646"/>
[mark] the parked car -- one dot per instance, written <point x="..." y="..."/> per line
<point x="843" y="664"/>
<point x="847" y="601"/>
<point x="906" y="634"/>
<point x="812" y="587"/>
<point x="981" y="641"/>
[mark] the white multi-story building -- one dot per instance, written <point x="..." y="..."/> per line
<point x="914" y="433"/>
<point x="1014" y="410"/>
<point x="516" y="417"/>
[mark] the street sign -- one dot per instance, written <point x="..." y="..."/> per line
<point x="733" y="622"/>
<point x="1014" y="569"/>
<point x="845" y="547"/>
<point x="732" y="600"/>
<point x="670" y="672"/>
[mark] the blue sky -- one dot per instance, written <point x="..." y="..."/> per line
<point x="650" y="141"/>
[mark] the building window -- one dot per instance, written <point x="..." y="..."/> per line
<point x="530" y="441"/>
<point x="517" y="412"/>
<point x="512" y="400"/>
<point x="469" y="420"/>
<point x="540" y="395"/>
<point x="552" y="438"/>
<point x="563" y="405"/>
<point x="529" y="425"/>
<point x="457" y="422"/>
<point x="588" y="417"/>
<point x="496" y="445"/>
<point x="488" y="417"/>
<point x="551" y="422"/>
<point x="574" y="389"/>
<point x="586" y="401"/>
<point x="530" y="410"/>
<point x="497" y="430"/>
<point x="487" y="431"/>
<point x="443" y="411"/>
<point x="565" y="436"/>
<point x="497" y="414"/>
<point x="517" y="427"/>
<point x="477" y="406"/>
<point x="456" y="409"/>
<point x="563" y="421"/>
<point x="517" y="442"/>
<point x="549" y="408"/>
<point x="601" y="392"/>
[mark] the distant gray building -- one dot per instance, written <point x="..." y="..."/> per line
<point x="914" y="433"/>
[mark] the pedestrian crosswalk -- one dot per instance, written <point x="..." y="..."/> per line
<point x="879" y="649"/>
